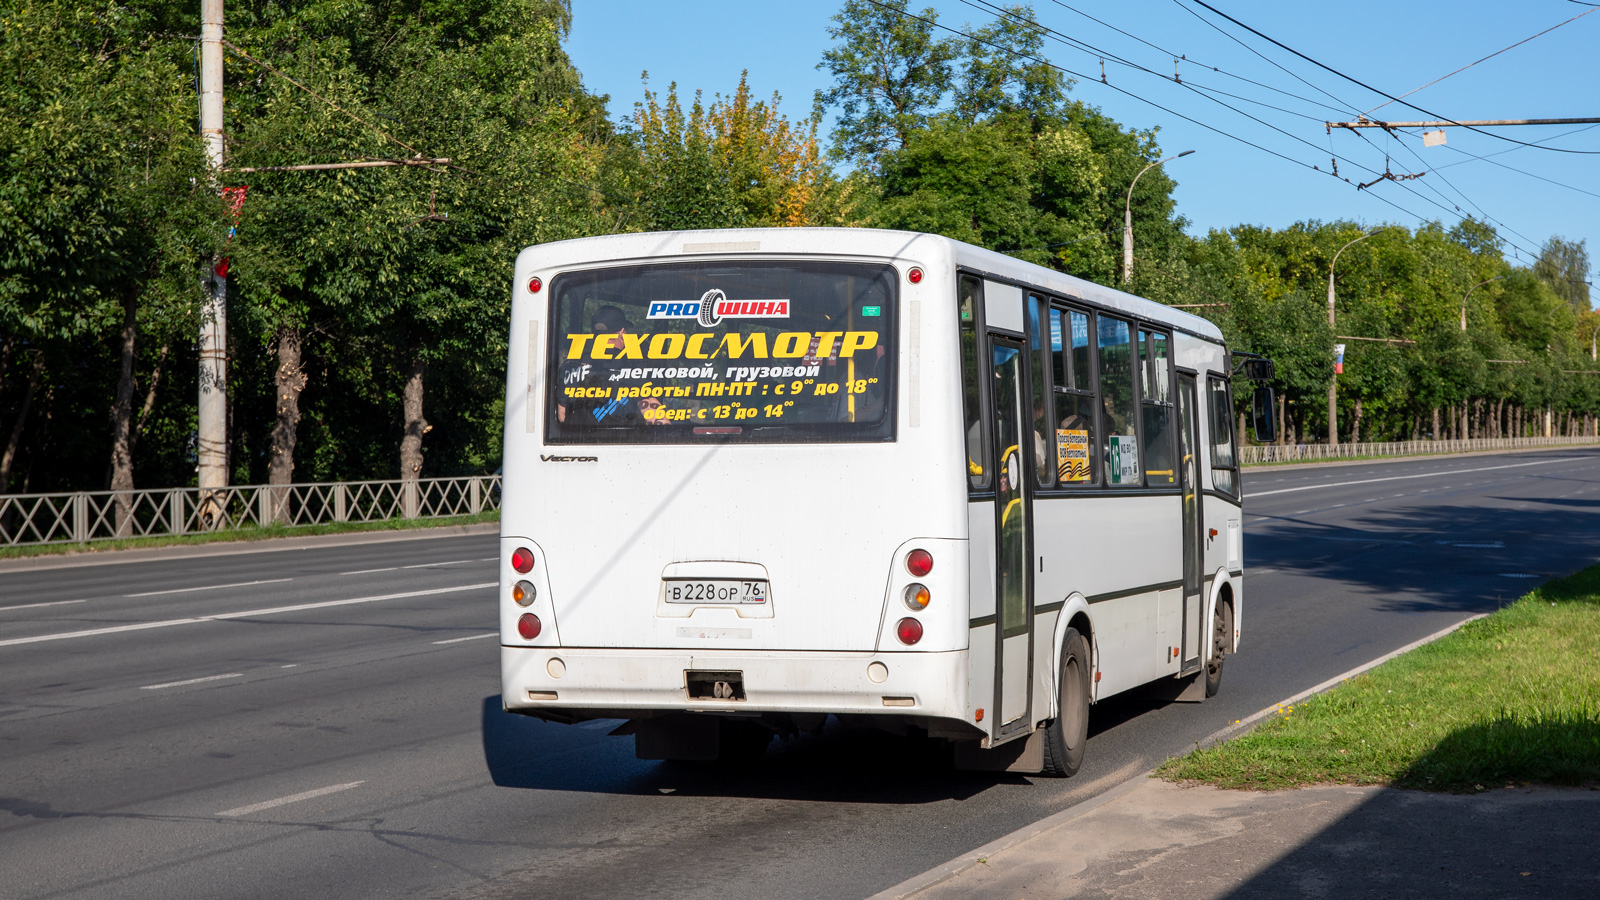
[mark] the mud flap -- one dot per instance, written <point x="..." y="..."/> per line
<point x="1025" y="756"/>
<point x="682" y="737"/>
<point x="1194" y="689"/>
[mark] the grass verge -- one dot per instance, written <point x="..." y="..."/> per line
<point x="245" y="534"/>
<point x="1513" y="698"/>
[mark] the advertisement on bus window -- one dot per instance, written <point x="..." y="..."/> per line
<point x="785" y="351"/>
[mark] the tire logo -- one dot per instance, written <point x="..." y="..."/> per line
<point x="708" y="307"/>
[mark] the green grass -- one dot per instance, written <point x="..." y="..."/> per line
<point x="245" y="534"/>
<point x="1513" y="698"/>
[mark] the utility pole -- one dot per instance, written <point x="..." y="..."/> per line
<point x="1469" y="294"/>
<point x="1333" y="386"/>
<point x="213" y="407"/>
<point x="1127" y="217"/>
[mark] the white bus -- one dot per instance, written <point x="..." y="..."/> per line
<point x="755" y="478"/>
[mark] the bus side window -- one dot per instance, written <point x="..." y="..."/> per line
<point x="1155" y="365"/>
<point x="1224" y="461"/>
<point x="970" y="290"/>
<point x="1044" y="449"/>
<point x="1119" y="404"/>
<point x="1071" y="347"/>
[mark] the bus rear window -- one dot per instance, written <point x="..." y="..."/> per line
<point x="684" y="353"/>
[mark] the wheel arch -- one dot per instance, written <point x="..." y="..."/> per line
<point x="1074" y="614"/>
<point x="1222" y="591"/>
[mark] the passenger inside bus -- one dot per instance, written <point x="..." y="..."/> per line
<point x="608" y="325"/>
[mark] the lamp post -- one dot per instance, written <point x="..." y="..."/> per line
<point x="1333" y="386"/>
<point x="1592" y="336"/>
<point x="1469" y="294"/>
<point x="1127" y="217"/>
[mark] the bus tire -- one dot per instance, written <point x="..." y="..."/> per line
<point x="1221" y="629"/>
<point x="1066" y="736"/>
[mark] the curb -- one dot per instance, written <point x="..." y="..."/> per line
<point x="965" y="861"/>
<point x="233" y="548"/>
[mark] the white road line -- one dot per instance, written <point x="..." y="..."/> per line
<point x="37" y="605"/>
<point x="157" y="687"/>
<point x="292" y="798"/>
<point x="370" y="571"/>
<point x="244" y="614"/>
<point x="209" y="587"/>
<point x="453" y="562"/>
<point x="1314" y="487"/>
<point x="470" y="637"/>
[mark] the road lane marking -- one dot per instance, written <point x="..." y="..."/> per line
<point x="209" y="587"/>
<point x="244" y="614"/>
<point x="292" y="798"/>
<point x="37" y="605"/>
<point x="370" y="571"/>
<point x="1315" y="487"/>
<point x="453" y="562"/>
<point x="157" y="687"/>
<point x="470" y="637"/>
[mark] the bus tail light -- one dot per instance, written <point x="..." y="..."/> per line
<point x="534" y="284"/>
<point x="919" y="562"/>
<point x="909" y="631"/>
<point x="529" y="626"/>
<point x="914" y="276"/>
<point x="522" y="560"/>
<point x="917" y="597"/>
<point x="523" y="593"/>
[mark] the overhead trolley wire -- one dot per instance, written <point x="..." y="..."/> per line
<point x="1152" y="103"/>
<point x="1475" y="62"/>
<point x="1360" y="83"/>
<point x="1452" y="207"/>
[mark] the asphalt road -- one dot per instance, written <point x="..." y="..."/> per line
<point x="327" y="721"/>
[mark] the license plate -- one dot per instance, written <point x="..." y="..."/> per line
<point x="716" y="590"/>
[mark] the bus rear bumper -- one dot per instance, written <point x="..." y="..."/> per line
<point x="588" y="682"/>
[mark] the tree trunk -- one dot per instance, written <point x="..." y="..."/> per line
<point x="1283" y="421"/>
<point x="1355" y="424"/>
<point x="416" y="425"/>
<point x="291" y="380"/>
<point x="149" y="397"/>
<point x="122" y="418"/>
<point x="9" y="457"/>
<point x="1435" y="435"/>
<point x="411" y="444"/>
<point x="1463" y="412"/>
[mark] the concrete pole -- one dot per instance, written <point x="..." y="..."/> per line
<point x="1333" y="386"/>
<point x="1469" y="294"/>
<point x="213" y="407"/>
<point x="1127" y="217"/>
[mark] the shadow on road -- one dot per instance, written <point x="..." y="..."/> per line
<point x="843" y="764"/>
<point x="1433" y="555"/>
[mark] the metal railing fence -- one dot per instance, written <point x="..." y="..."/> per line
<point x="84" y="516"/>
<point x="1269" y="453"/>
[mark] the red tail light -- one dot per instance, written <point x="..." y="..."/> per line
<point x="914" y="276"/>
<point x="534" y="284"/>
<point x="919" y="562"/>
<point x="909" y="631"/>
<point x="522" y="560"/>
<point x="529" y="627"/>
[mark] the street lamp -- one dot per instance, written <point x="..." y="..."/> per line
<point x="1333" y="386"/>
<point x="1592" y="336"/>
<point x="1469" y="294"/>
<point x="1127" y="217"/>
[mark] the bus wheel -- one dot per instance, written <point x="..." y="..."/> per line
<point x="1221" y="628"/>
<point x="1065" y="737"/>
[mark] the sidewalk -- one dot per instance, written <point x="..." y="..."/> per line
<point x="1153" y="840"/>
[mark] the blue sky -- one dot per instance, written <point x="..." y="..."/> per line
<point x="1392" y="46"/>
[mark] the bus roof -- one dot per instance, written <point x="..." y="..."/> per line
<point x="877" y="242"/>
